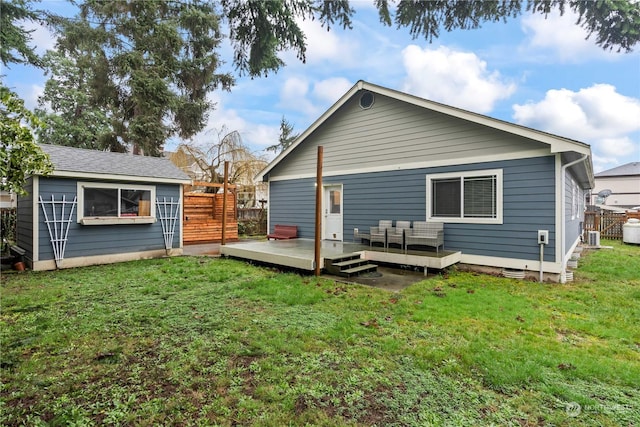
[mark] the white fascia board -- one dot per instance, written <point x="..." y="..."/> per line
<point x="109" y="177"/>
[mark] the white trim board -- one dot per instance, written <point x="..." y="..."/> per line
<point x="104" y="259"/>
<point x="127" y="178"/>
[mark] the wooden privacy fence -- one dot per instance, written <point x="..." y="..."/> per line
<point x="203" y="218"/>
<point x="608" y="223"/>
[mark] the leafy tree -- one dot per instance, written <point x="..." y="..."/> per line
<point x="286" y="137"/>
<point x="14" y="39"/>
<point x="260" y="29"/>
<point x="78" y="122"/>
<point x="616" y="23"/>
<point x="19" y="154"/>
<point x="149" y="65"/>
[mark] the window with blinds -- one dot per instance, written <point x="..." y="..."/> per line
<point x="480" y="197"/>
<point x="466" y="197"/>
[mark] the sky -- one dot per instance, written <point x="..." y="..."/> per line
<point x="537" y="72"/>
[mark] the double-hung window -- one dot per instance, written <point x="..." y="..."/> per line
<point x="103" y="203"/>
<point x="471" y="197"/>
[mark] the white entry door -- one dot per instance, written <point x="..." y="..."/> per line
<point x="332" y="210"/>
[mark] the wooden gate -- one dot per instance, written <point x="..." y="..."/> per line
<point x="608" y="223"/>
<point x="203" y="218"/>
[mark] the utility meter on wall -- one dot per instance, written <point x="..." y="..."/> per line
<point x="543" y="237"/>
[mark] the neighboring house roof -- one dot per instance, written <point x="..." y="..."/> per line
<point x="186" y="162"/>
<point x="82" y="163"/>
<point x="571" y="149"/>
<point x="629" y="169"/>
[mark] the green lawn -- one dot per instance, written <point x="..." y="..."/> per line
<point x="201" y="341"/>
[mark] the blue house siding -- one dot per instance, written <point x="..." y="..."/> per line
<point x="91" y="240"/>
<point x="25" y="220"/>
<point x="528" y="205"/>
<point x="574" y="212"/>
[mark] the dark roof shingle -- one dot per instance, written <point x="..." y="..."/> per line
<point x="70" y="159"/>
<point x="628" y="169"/>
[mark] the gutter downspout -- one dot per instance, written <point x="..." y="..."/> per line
<point x="563" y="273"/>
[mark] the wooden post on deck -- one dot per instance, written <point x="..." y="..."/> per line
<point x="224" y="203"/>
<point x="318" y="233"/>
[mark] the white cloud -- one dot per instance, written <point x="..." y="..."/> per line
<point x="617" y="147"/>
<point x="41" y="38"/>
<point x="330" y="90"/>
<point x="597" y="115"/>
<point x="310" y="98"/>
<point x="32" y="93"/>
<point x="595" y="112"/>
<point x="262" y="135"/>
<point x="453" y="77"/>
<point x="293" y="96"/>
<point x="558" y="38"/>
<point x="254" y="135"/>
<point x="323" y="45"/>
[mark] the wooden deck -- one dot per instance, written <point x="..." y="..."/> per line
<point x="299" y="253"/>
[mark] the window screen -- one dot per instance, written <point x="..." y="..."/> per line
<point x="480" y="197"/>
<point x="446" y="197"/>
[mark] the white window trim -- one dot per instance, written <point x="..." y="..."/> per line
<point x="110" y="220"/>
<point x="574" y="199"/>
<point x="498" y="173"/>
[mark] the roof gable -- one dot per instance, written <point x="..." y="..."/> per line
<point x="83" y="163"/>
<point x="553" y="143"/>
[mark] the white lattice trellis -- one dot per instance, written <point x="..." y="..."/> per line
<point x="58" y="224"/>
<point x="169" y="214"/>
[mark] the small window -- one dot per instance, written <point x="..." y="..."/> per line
<point x="334" y="198"/>
<point x="465" y="197"/>
<point x="115" y="203"/>
<point x="574" y="199"/>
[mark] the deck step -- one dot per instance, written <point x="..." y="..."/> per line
<point x="348" y="265"/>
<point x="366" y="268"/>
<point x="349" y="262"/>
<point x="342" y="257"/>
